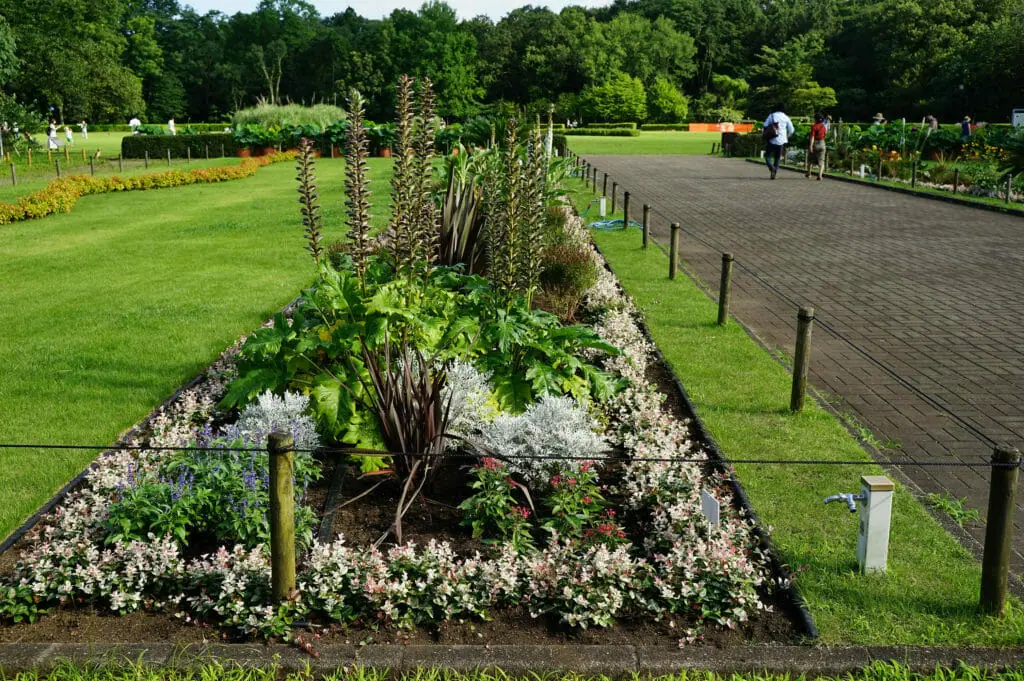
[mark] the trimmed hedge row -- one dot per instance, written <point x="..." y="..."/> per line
<point x="198" y="127"/>
<point x="559" y="143"/>
<point x="614" y="126"/>
<point x="61" y="194"/>
<point x="603" y="132"/>
<point x="136" y="146"/>
<point x="665" y="126"/>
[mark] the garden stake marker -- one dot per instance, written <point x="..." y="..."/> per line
<point x="673" y="253"/>
<point x="282" y="515"/>
<point x="995" y="563"/>
<point x="723" y="289"/>
<point x="801" y="359"/>
<point x="647" y="224"/>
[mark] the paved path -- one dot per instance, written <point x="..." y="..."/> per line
<point x="933" y="290"/>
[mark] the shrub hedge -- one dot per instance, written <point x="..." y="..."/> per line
<point x="665" y="126"/>
<point x="182" y="127"/>
<point x="559" y="143"/>
<point x="61" y="194"/>
<point x="615" y="126"/>
<point x="136" y="146"/>
<point x="603" y="132"/>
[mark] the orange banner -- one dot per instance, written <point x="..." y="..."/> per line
<point x="721" y="127"/>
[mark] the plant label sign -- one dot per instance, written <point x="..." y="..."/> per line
<point x="710" y="507"/>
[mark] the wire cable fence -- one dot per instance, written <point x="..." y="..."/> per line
<point x="831" y="329"/>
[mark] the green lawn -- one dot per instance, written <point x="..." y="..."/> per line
<point x="930" y="593"/>
<point x="108" y="309"/>
<point x="659" y="142"/>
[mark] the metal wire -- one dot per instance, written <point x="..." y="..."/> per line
<point x="470" y="456"/>
<point x="905" y="382"/>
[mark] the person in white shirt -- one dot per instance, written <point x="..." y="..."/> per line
<point x="777" y="130"/>
<point x="84" y="127"/>
<point x="170" y="127"/>
<point x="135" y="124"/>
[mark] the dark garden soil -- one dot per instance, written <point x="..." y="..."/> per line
<point x="434" y="515"/>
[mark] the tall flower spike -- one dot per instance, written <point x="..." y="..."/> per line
<point x="532" y="217"/>
<point x="403" y="205"/>
<point x="309" y="199"/>
<point x="357" y="185"/>
<point x="425" y="232"/>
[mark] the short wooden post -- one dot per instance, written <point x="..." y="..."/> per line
<point x="647" y="224"/>
<point x="615" y="188"/>
<point x="206" y="150"/>
<point x="723" y="289"/>
<point x="879" y="168"/>
<point x="222" y="150"/>
<point x="29" y="158"/>
<point x="995" y="564"/>
<point x="956" y="179"/>
<point x="67" y="154"/>
<point x="14" y="176"/>
<point x="168" y="158"/>
<point x="282" y="515"/>
<point x="120" y="163"/>
<point x="146" y="161"/>
<point x="57" y="162"/>
<point x="92" y="166"/>
<point x="594" y="183"/>
<point x="188" y="155"/>
<point x="49" y="156"/>
<point x="853" y="158"/>
<point x="604" y="186"/>
<point x="713" y="147"/>
<point x="1009" y="186"/>
<point x="673" y="252"/>
<point x="804" y="326"/>
<point x="625" y="209"/>
<point x="83" y="154"/>
<point x="913" y="175"/>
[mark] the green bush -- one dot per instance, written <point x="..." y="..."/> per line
<point x="289" y="115"/>
<point x="136" y="146"/>
<point x="603" y="132"/>
<point x="620" y="98"/>
<point x="568" y="272"/>
<point x="628" y="126"/>
<point x="665" y="103"/>
<point x="650" y="127"/>
<point x="183" y="128"/>
<point x="559" y="143"/>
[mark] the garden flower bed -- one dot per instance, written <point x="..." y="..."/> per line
<point x="506" y="476"/>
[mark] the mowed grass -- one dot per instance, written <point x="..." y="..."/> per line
<point x="659" y="142"/>
<point x="107" y="310"/>
<point x="928" y="596"/>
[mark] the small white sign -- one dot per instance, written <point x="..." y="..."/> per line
<point x="604" y="207"/>
<point x="710" y="507"/>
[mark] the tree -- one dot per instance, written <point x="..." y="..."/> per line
<point x="621" y="98"/>
<point x="786" y="75"/>
<point x="9" y="61"/>
<point x="270" y="63"/>
<point x="665" y="103"/>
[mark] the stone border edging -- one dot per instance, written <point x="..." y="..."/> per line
<point x="75" y="482"/>
<point x="618" y="662"/>
<point x="800" y="614"/>
<point x="1006" y="210"/>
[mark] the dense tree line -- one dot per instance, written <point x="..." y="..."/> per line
<point x="106" y="60"/>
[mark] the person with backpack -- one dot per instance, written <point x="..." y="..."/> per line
<point x="817" y="148"/>
<point x="776" y="132"/>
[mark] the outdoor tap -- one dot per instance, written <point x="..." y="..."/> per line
<point x="850" y="499"/>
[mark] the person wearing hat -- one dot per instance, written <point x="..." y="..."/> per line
<point x="965" y="128"/>
<point x="879" y="119"/>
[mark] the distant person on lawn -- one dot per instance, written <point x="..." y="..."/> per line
<point x="965" y="128"/>
<point x="777" y="129"/>
<point x="816" y="148"/>
<point x="171" y="128"/>
<point x="84" y="127"/>
<point x="135" y="124"/>
<point x="68" y="136"/>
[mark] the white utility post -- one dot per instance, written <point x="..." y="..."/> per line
<point x="875" y="508"/>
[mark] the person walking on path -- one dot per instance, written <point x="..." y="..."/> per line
<point x="777" y="129"/>
<point x="51" y="135"/>
<point x="816" y="148"/>
<point x="84" y="127"/>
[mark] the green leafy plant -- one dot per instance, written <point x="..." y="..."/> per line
<point x="574" y="502"/>
<point x="461" y="218"/>
<point x="492" y="511"/>
<point x="955" y="508"/>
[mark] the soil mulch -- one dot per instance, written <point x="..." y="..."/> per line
<point x="434" y="516"/>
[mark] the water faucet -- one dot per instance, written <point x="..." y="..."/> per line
<point x="850" y="499"/>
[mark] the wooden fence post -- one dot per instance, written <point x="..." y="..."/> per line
<point x="29" y="158"/>
<point x="206" y="150"/>
<point x="673" y="252"/>
<point x="168" y="158"/>
<point x="956" y="179"/>
<point x="146" y="161"/>
<point x="58" y="167"/>
<point x="14" y="176"/>
<point x="1009" y="186"/>
<point x="647" y="224"/>
<point x="879" y="167"/>
<point x="222" y="150"/>
<point x="188" y="157"/>
<point x="615" y="188"/>
<point x="723" y="289"/>
<point x="67" y="154"/>
<point x="120" y="163"/>
<point x="625" y="210"/>
<point x="801" y="360"/>
<point x="995" y="564"/>
<point x="282" y="515"/>
<point x="604" y="186"/>
<point x="92" y="166"/>
<point x="913" y="175"/>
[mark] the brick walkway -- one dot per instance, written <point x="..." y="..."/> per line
<point x="933" y="290"/>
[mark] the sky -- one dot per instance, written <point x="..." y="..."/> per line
<point x="375" y="9"/>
